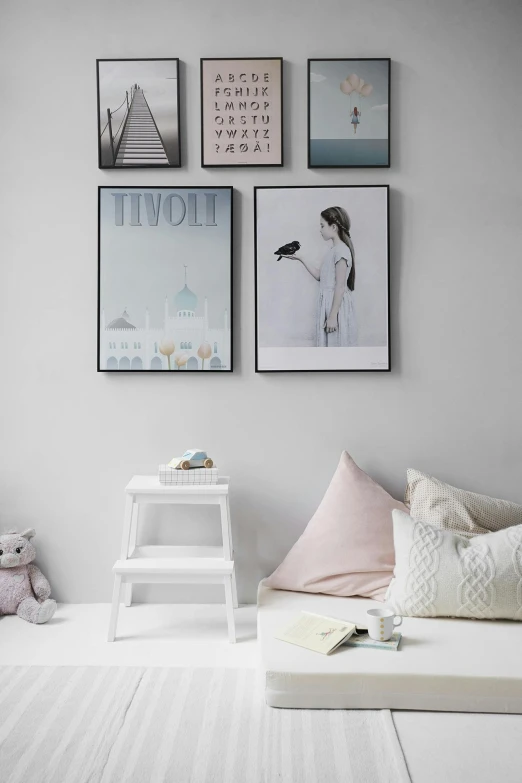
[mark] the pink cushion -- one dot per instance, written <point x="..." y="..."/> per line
<point x="347" y="547"/>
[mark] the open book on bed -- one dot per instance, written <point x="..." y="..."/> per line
<point x="324" y="634"/>
<point x="317" y="632"/>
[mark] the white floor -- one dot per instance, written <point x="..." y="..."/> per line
<point x="147" y="635"/>
<point x="455" y="748"/>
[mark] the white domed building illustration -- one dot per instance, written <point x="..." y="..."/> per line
<point x="185" y="341"/>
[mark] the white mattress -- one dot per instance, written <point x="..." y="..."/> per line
<point x="442" y="664"/>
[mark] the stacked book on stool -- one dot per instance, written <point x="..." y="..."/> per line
<point x="194" y="467"/>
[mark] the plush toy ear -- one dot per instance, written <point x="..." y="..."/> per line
<point x="29" y="533"/>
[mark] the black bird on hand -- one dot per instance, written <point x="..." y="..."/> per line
<point x="288" y="250"/>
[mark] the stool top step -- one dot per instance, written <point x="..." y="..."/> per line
<point x="152" y="485"/>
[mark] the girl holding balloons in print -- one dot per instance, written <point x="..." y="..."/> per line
<point x="354" y="84"/>
<point x="355" y="119"/>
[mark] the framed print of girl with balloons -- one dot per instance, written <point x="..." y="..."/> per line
<point x="349" y="113"/>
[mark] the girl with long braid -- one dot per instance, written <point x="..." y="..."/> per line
<point x="336" y="324"/>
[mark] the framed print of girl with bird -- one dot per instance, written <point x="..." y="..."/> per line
<point x="349" y="113"/>
<point x="322" y="278"/>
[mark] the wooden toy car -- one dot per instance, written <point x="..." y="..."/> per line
<point x="193" y="458"/>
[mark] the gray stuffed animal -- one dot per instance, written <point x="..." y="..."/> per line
<point x="24" y="590"/>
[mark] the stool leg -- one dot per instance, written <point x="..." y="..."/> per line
<point x="234" y="589"/>
<point x="127" y="520"/>
<point x="134" y="528"/>
<point x="230" y="610"/>
<point x="231" y="550"/>
<point x="132" y="545"/>
<point x="225" y="528"/>
<point x="115" y="607"/>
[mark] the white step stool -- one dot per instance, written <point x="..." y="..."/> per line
<point x="174" y="564"/>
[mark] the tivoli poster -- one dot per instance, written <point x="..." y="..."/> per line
<point x="165" y="279"/>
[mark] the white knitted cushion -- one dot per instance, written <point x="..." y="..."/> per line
<point x="441" y="574"/>
<point x="455" y="509"/>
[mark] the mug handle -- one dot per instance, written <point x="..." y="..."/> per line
<point x="395" y="623"/>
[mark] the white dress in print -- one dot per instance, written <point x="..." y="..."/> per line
<point x="346" y="334"/>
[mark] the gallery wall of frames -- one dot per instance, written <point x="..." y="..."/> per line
<point x="321" y="253"/>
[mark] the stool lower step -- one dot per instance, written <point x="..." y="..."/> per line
<point x="175" y="559"/>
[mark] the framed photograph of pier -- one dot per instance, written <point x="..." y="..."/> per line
<point x="322" y="291"/>
<point x="242" y="111"/>
<point x="164" y="279"/>
<point x="349" y="113"/>
<point x="138" y="113"/>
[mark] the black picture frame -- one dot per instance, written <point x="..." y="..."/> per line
<point x="312" y="165"/>
<point x="259" y="188"/>
<point x="203" y="189"/>
<point x="207" y="165"/>
<point x="152" y="165"/>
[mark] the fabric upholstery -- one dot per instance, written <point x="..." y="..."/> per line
<point x="347" y="547"/>
<point x="441" y="574"/>
<point x="447" y="507"/>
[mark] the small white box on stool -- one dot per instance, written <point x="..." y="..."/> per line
<point x="195" y="476"/>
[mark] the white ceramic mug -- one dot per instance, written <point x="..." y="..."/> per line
<point x="382" y="623"/>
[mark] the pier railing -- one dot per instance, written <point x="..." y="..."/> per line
<point x="115" y="138"/>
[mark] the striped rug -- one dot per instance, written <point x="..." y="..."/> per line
<point x="148" y="725"/>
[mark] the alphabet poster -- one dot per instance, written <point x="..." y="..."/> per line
<point x="165" y="279"/>
<point x="241" y="112"/>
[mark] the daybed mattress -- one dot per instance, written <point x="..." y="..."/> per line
<point x="443" y="664"/>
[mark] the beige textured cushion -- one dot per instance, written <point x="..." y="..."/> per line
<point x="447" y="507"/>
<point x="440" y="574"/>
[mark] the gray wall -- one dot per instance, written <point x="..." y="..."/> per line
<point x="71" y="438"/>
